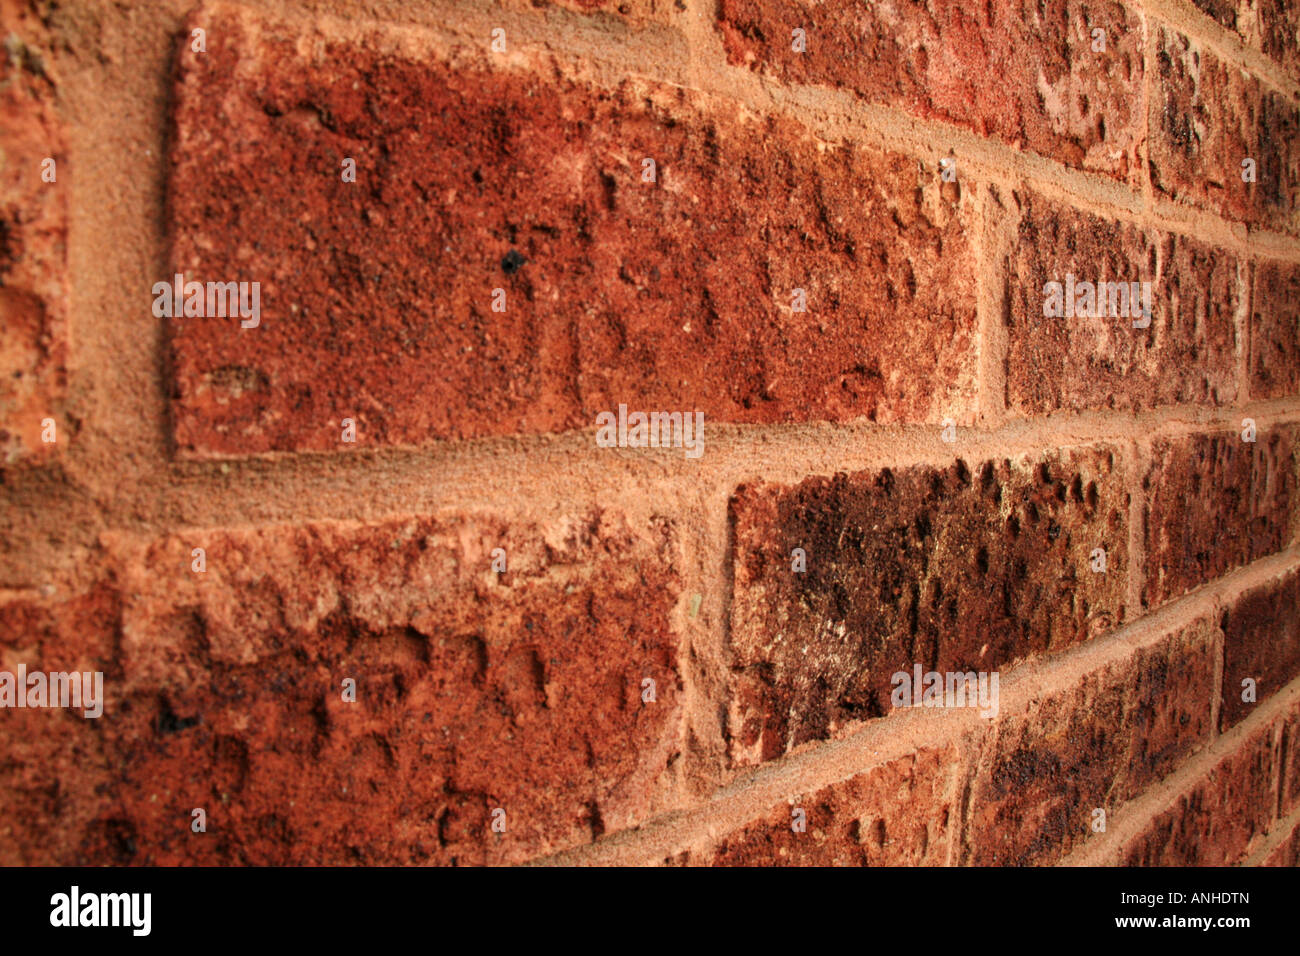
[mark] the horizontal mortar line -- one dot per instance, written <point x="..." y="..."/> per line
<point x="840" y="113"/>
<point x="490" y="473"/>
<point x="1278" y="834"/>
<point x="878" y="742"/>
<point x="1188" y="19"/>
<point x="849" y="117"/>
<point x="1132" y="817"/>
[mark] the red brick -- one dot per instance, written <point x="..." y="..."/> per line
<point x="1206" y="117"/>
<point x="1280" y="26"/>
<point x="33" y="244"/>
<point x="675" y="295"/>
<point x="1289" y="788"/>
<point x="1275" y="331"/>
<point x="1188" y="353"/>
<point x="1218" y="820"/>
<point x="1020" y="71"/>
<point x="54" y="776"/>
<point x="1269" y="25"/>
<point x="1091" y="746"/>
<point x="1261" y="641"/>
<point x="1214" y="503"/>
<point x="474" y="690"/>
<point x="1287" y="852"/>
<point x="901" y="813"/>
<point x="969" y="567"/>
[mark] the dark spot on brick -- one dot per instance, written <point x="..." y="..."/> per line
<point x="512" y="262"/>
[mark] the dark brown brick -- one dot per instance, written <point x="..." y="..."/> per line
<point x="33" y="245"/>
<point x="899" y="814"/>
<point x="1220" y="819"/>
<point x="474" y="690"/>
<point x="1023" y="72"/>
<point x="1275" y="331"/>
<point x="1092" y="746"/>
<point x="1214" y="503"/>
<point x="1206" y="117"/>
<point x="969" y="567"/>
<point x="1280" y="26"/>
<point x="1289" y="788"/>
<point x="1187" y="355"/>
<point x="376" y="295"/>
<point x="1261" y="641"/>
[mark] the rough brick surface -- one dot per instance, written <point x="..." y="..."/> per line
<point x="1275" y="331"/>
<point x="1271" y="25"/>
<point x="53" y="774"/>
<point x="965" y="568"/>
<point x="1220" y="819"/>
<point x="1289" y="782"/>
<point x="471" y="687"/>
<point x="1186" y="355"/>
<point x="965" y="64"/>
<point x="1206" y="117"/>
<point x="377" y="295"/>
<point x="1090" y="747"/>
<point x="33" y="235"/>
<point x="1213" y="503"/>
<point x="901" y="813"/>
<point x="1261" y="641"/>
<point x="1286" y="853"/>
<point x="1280" y="28"/>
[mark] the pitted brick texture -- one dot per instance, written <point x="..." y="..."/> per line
<point x="1261" y="643"/>
<point x="1185" y="355"/>
<point x="1220" y="819"/>
<point x="377" y="295"/>
<point x="970" y="567"/>
<point x="1018" y="71"/>
<point x="902" y="813"/>
<point x="1090" y="748"/>
<point x="1206" y="118"/>
<point x="33" y="245"/>
<point x="471" y="687"/>
<point x="1214" y="503"/>
<point x="1275" y="331"/>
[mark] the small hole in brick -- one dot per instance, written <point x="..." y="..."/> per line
<point x="512" y="262"/>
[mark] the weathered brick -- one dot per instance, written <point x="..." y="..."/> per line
<point x="1289" y="788"/>
<point x="1214" y="503"/>
<point x="1206" y="118"/>
<point x="1280" y="29"/>
<point x="1287" y="852"/>
<point x="1275" y="331"/>
<point x="969" y="567"/>
<point x="1261" y="641"/>
<point x="474" y="690"/>
<point x="1090" y="746"/>
<point x="1023" y="72"/>
<point x="54" y="776"/>
<point x="901" y="813"/>
<point x="1220" y="819"/>
<point x="1186" y="355"/>
<point x="33" y="244"/>
<point x="1222" y="11"/>
<point x="1272" y="26"/>
<point x="376" y="295"/>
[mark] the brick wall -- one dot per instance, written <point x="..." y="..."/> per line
<point x="389" y="473"/>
